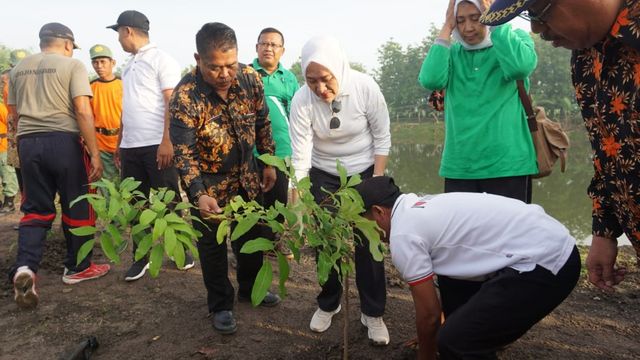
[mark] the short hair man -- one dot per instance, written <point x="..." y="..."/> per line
<point x="502" y="265"/>
<point x="107" y="106"/>
<point x="280" y="85"/>
<point x="144" y="148"/>
<point x="606" y="67"/>
<point x="49" y="94"/>
<point x="218" y="114"/>
<point x="7" y="172"/>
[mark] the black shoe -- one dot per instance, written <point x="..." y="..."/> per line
<point x="137" y="270"/>
<point x="8" y="206"/>
<point x="270" y="300"/>
<point x="188" y="262"/>
<point x="224" y="322"/>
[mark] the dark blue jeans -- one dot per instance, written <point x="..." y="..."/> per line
<point x="52" y="162"/>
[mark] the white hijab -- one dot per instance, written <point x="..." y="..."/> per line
<point x="485" y="43"/>
<point x="326" y="51"/>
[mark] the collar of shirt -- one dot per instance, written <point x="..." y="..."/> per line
<point x="256" y="65"/>
<point x="146" y="47"/>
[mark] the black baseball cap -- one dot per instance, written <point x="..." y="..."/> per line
<point x="131" y="18"/>
<point x="502" y="11"/>
<point x="57" y="30"/>
<point x="379" y="190"/>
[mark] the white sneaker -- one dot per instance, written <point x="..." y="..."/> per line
<point x="377" y="330"/>
<point x="24" y="287"/>
<point x="321" y="320"/>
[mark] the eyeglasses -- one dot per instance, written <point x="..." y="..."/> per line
<point x="336" y="106"/>
<point x="267" y="45"/>
<point x="540" y="18"/>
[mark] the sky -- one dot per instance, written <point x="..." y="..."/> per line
<point x="361" y="26"/>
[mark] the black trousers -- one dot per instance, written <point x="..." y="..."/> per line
<point x="370" y="276"/>
<point x="215" y="268"/>
<point x="279" y="192"/>
<point x="140" y="163"/>
<point x="515" y="187"/>
<point x="482" y="317"/>
<point x="52" y="162"/>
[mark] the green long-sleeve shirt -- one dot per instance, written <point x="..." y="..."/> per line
<point x="486" y="133"/>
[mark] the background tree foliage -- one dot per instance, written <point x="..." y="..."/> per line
<point x="398" y="68"/>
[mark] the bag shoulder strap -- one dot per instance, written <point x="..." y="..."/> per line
<point x="528" y="107"/>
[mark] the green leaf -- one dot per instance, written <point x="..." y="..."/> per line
<point x="143" y="247"/>
<point x="169" y="196"/>
<point x="183" y="206"/>
<point x="289" y="215"/>
<point x="178" y="255"/>
<point x="84" y="250"/>
<point x="114" y="206"/>
<point x="255" y="245"/>
<point x="129" y="184"/>
<point x="370" y="230"/>
<point x="244" y="225"/>
<point x="283" y="267"/>
<point x="354" y="180"/>
<point x="275" y="226"/>
<point x="147" y="216"/>
<point x="324" y="267"/>
<point x="158" y="206"/>
<point x="83" y="231"/>
<point x="189" y="243"/>
<point x="107" y="247"/>
<point x="275" y="161"/>
<point x="343" y="173"/>
<point x="304" y="184"/>
<point x="84" y="197"/>
<point x="138" y="228"/>
<point x="174" y="218"/>
<point x="158" y="228"/>
<point x="115" y="235"/>
<point x="169" y="240"/>
<point x="155" y="261"/>
<point x="223" y="229"/>
<point x="262" y="283"/>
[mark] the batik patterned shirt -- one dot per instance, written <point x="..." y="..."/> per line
<point x="607" y="82"/>
<point x="213" y="139"/>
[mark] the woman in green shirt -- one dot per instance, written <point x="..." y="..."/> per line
<point x="488" y="147"/>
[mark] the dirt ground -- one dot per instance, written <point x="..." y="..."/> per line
<point x="166" y="318"/>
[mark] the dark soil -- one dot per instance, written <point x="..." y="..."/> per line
<point x="166" y="318"/>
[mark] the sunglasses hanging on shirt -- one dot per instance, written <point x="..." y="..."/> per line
<point x="336" y="106"/>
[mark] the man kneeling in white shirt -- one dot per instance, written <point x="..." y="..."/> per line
<point x="501" y="265"/>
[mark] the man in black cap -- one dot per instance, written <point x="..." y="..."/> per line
<point x="49" y="96"/>
<point x="604" y="37"/>
<point x="502" y="265"/>
<point x="144" y="149"/>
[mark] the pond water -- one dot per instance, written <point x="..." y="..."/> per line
<point x="562" y="195"/>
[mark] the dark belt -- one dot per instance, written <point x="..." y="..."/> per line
<point x="108" y="132"/>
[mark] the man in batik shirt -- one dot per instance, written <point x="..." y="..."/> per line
<point x="218" y="113"/>
<point x="605" y="38"/>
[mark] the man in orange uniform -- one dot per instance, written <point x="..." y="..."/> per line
<point x="7" y="172"/>
<point x="107" y="107"/>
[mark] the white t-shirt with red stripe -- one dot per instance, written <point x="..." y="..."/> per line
<point x="470" y="235"/>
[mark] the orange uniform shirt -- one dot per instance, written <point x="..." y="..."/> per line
<point x="4" y="113"/>
<point x="107" y="109"/>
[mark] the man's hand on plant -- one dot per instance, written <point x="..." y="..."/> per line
<point x="268" y="178"/>
<point x="601" y="264"/>
<point x="208" y="206"/>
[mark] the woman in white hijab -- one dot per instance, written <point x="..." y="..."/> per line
<point x="340" y="114"/>
<point x="488" y="147"/>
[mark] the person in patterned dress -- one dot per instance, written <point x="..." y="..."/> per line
<point x="218" y="114"/>
<point x="604" y="36"/>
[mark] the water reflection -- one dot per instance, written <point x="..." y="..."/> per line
<point x="563" y="195"/>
